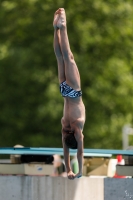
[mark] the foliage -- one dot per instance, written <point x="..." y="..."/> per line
<point x="101" y="38"/>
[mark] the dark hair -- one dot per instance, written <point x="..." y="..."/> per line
<point x="70" y="141"/>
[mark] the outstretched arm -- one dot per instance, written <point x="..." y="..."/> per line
<point x="79" y="137"/>
<point x="70" y="174"/>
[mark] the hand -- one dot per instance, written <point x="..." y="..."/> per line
<point x="78" y="175"/>
<point x="70" y="175"/>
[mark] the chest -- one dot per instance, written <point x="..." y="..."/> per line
<point x="66" y="125"/>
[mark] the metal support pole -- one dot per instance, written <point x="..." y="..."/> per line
<point x="126" y="131"/>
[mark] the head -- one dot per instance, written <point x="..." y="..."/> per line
<point x="70" y="141"/>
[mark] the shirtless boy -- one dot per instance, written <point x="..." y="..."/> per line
<point x="74" y="110"/>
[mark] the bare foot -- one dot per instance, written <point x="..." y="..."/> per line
<point x="56" y="18"/>
<point x="62" y="18"/>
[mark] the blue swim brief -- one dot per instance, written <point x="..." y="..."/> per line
<point x="67" y="91"/>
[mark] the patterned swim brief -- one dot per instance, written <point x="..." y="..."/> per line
<point x="67" y="91"/>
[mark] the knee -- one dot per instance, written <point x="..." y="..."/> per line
<point x="68" y="56"/>
<point x="71" y="56"/>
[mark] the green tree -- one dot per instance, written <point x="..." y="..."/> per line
<point x="101" y="38"/>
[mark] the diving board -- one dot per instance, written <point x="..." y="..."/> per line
<point x="59" y="151"/>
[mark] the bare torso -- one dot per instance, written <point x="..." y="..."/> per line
<point x="73" y="114"/>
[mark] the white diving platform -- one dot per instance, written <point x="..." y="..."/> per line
<point x="59" y="151"/>
<point x="96" y="161"/>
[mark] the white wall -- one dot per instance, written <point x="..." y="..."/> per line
<point x="50" y="188"/>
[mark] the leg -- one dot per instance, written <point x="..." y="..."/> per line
<point x="57" y="50"/>
<point x="71" y="70"/>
